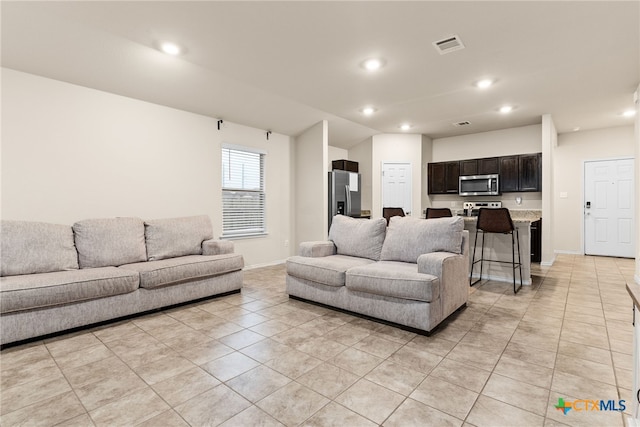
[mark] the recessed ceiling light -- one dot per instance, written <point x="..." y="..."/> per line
<point x="372" y="64"/>
<point x="405" y="126"/>
<point x="629" y="113"/>
<point x="506" y="109"/>
<point x="483" y="84"/>
<point x="576" y="129"/>
<point x="170" y="48"/>
<point x="367" y="111"/>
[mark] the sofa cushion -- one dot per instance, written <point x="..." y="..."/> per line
<point x="41" y="290"/>
<point x="170" y="271"/>
<point x="408" y="238"/>
<point x="358" y="237"/>
<point x="109" y="241"/>
<point x="329" y="270"/>
<point x="174" y="237"/>
<point x="36" y="247"/>
<point x="394" y="279"/>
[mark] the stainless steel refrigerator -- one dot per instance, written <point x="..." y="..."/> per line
<point x="344" y="194"/>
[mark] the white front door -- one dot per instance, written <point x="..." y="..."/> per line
<point x="396" y="186"/>
<point x="608" y="208"/>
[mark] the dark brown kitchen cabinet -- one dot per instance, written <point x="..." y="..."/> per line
<point x="529" y="167"/>
<point x="469" y="167"/>
<point x="443" y="177"/>
<point x="509" y="175"/>
<point x="436" y="178"/>
<point x="521" y="173"/>
<point x="487" y="166"/>
<point x="452" y="172"/>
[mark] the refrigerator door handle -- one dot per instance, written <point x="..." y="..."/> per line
<point x="348" y="209"/>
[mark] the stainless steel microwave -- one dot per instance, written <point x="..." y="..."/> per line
<point x="479" y="185"/>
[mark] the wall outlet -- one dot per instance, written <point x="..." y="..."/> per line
<point x="563" y="195"/>
<point x="286" y="243"/>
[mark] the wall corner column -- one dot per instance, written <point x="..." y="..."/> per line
<point x="549" y="144"/>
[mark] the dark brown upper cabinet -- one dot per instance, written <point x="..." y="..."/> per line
<point x="530" y="171"/>
<point x="509" y="174"/>
<point x="443" y="177"/>
<point x="519" y="173"/>
<point x="487" y="166"/>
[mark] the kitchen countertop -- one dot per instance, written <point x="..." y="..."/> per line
<point x="517" y="215"/>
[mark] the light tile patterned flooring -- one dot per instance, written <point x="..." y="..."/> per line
<point x="258" y="358"/>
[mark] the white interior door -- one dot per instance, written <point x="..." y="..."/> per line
<point x="396" y="186"/>
<point x="608" y="208"/>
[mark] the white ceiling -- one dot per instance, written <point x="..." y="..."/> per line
<point x="284" y="66"/>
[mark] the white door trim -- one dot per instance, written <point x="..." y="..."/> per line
<point x="582" y="200"/>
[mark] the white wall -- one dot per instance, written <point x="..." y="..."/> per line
<point x="568" y="168"/>
<point x="311" y="184"/>
<point x="405" y="148"/>
<point x="71" y="153"/>
<point x="427" y="157"/>
<point x="505" y="142"/>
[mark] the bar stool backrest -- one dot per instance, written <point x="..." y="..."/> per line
<point x="495" y="220"/>
<point x="387" y="213"/>
<point x="438" y="212"/>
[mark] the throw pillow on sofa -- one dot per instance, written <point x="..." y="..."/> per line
<point x="174" y="237"/>
<point x="358" y="237"/>
<point x="36" y="247"/>
<point x="408" y="238"/>
<point x="109" y="242"/>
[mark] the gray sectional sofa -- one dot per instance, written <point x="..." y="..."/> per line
<point x="58" y="277"/>
<point x="414" y="273"/>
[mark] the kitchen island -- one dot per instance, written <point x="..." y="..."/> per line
<point x="498" y="247"/>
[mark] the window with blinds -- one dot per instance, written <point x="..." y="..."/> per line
<point x="243" y="196"/>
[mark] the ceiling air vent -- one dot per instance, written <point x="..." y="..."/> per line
<point x="449" y="44"/>
<point x="464" y="123"/>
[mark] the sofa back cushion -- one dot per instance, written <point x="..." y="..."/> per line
<point x="358" y="237"/>
<point x="408" y="238"/>
<point x="174" y="237"/>
<point x="36" y="247"/>
<point x="109" y="242"/>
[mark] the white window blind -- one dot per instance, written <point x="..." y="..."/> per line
<point x="243" y="197"/>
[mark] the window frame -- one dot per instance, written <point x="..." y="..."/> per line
<point x="227" y="190"/>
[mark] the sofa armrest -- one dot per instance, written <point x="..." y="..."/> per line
<point x="432" y="263"/>
<point x="317" y="249"/>
<point x="217" y="247"/>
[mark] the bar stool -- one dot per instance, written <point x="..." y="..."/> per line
<point x="387" y="213"/>
<point x="496" y="221"/>
<point x="438" y="212"/>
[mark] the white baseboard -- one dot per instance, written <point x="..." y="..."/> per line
<point x="266" y="264"/>
<point x="561" y="251"/>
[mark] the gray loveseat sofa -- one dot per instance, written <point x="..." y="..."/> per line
<point x="414" y="273"/>
<point x="57" y="277"/>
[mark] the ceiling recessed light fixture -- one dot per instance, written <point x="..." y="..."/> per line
<point x="170" y="48"/>
<point x="405" y="126"/>
<point x="367" y="111"/>
<point x="506" y="109"/>
<point x="372" y="64"/>
<point x="629" y="113"/>
<point x="484" y="83"/>
<point x="576" y="129"/>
